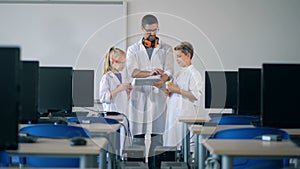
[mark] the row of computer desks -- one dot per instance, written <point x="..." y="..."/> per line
<point x="263" y="129"/>
<point x="29" y="94"/>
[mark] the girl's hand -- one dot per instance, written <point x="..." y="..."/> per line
<point x="173" y="88"/>
<point x="122" y="86"/>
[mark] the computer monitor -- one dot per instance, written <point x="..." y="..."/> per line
<point x="280" y="95"/>
<point x="249" y="91"/>
<point x="221" y="90"/>
<point x="55" y="89"/>
<point x="29" y="92"/>
<point x="83" y="88"/>
<point x="9" y="97"/>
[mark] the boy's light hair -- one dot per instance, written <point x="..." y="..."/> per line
<point x="185" y="47"/>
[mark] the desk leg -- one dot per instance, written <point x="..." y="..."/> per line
<point x="83" y="162"/>
<point x="186" y="142"/>
<point x="196" y="163"/>
<point x="102" y="159"/>
<point x="88" y="161"/>
<point x="227" y="162"/>
<point x="297" y="163"/>
<point x="113" y="152"/>
<point x="201" y="152"/>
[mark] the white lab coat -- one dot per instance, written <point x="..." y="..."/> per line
<point x="188" y="79"/>
<point x="148" y="103"/>
<point x="119" y="103"/>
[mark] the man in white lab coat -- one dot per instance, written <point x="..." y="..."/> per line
<point x="149" y="57"/>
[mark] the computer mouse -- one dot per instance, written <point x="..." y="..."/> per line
<point x="60" y="122"/>
<point x="78" y="141"/>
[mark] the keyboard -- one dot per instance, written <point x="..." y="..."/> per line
<point x="69" y="114"/>
<point x="47" y="120"/>
<point x="212" y="115"/>
<point x="26" y="138"/>
<point x="295" y="139"/>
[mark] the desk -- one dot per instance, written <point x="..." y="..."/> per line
<point x="118" y="117"/>
<point x="106" y="130"/>
<point x="61" y="148"/>
<point x="98" y="130"/>
<point x="202" y="132"/>
<point x="188" y="120"/>
<point x="250" y="148"/>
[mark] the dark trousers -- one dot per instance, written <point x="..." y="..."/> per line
<point x="156" y="140"/>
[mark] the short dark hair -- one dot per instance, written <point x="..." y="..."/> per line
<point x="185" y="47"/>
<point x="148" y="20"/>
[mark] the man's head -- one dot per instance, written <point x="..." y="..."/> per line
<point x="149" y="25"/>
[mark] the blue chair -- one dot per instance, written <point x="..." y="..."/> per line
<point x="54" y="131"/>
<point x="234" y="120"/>
<point x="92" y="120"/>
<point x="253" y="133"/>
<point x="4" y="159"/>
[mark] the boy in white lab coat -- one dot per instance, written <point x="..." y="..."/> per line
<point x="184" y="93"/>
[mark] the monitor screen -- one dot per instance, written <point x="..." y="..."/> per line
<point x="221" y="89"/>
<point x="29" y="91"/>
<point x="249" y="91"/>
<point x="9" y="97"/>
<point x="83" y="88"/>
<point x="280" y="95"/>
<point x="55" y="89"/>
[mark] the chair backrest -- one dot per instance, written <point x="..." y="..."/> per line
<point x="253" y="133"/>
<point x="54" y="131"/>
<point x="92" y="120"/>
<point x="4" y="159"/>
<point x="234" y="120"/>
<point x="249" y="133"/>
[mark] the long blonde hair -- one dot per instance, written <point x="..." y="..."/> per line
<point x="112" y="54"/>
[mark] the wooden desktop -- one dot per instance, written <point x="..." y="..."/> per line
<point x="62" y="148"/>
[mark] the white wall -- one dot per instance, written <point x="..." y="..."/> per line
<point x="64" y="33"/>
<point x="226" y="34"/>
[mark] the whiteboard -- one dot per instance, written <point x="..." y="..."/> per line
<point x="64" y="33"/>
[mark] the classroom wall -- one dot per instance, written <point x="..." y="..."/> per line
<point x="73" y="33"/>
<point x="226" y="34"/>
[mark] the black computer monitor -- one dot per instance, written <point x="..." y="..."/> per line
<point x="280" y="95"/>
<point x="83" y="88"/>
<point x="9" y="97"/>
<point x="29" y="92"/>
<point x="221" y="89"/>
<point x="55" y="89"/>
<point x="249" y="91"/>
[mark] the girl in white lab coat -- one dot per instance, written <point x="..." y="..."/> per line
<point x="184" y="93"/>
<point x="114" y="91"/>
